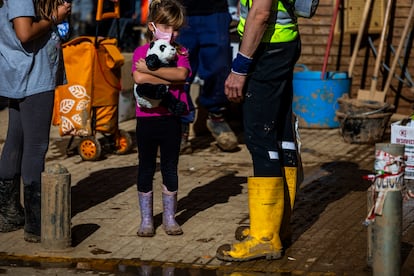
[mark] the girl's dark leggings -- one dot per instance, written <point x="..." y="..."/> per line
<point x="153" y="132"/>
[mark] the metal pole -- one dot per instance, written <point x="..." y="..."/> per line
<point x="387" y="226"/>
<point x="387" y="237"/>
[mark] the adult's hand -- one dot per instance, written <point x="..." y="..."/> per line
<point x="233" y="87"/>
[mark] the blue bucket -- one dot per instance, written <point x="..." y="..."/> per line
<point x="315" y="99"/>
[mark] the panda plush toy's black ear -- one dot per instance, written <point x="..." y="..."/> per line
<point x="153" y="62"/>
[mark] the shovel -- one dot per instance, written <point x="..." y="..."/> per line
<point x="373" y="94"/>
<point x="397" y="53"/>
<point x="359" y="36"/>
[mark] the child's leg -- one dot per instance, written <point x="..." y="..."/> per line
<point x="147" y="144"/>
<point x="147" y="154"/>
<point x="170" y="150"/>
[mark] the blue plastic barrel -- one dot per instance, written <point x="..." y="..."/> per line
<point x="315" y="99"/>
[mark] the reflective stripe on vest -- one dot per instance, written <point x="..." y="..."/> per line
<point x="281" y="27"/>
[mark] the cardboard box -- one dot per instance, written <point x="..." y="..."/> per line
<point x="404" y="134"/>
<point x="126" y="107"/>
<point x="126" y="104"/>
<point x="127" y="82"/>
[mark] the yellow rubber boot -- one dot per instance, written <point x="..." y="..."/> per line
<point x="290" y="195"/>
<point x="243" y="231"/>
<point x="266" y="203"/>
<point x="291" y="174"/>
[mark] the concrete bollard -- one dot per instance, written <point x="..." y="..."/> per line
<point x="56" y="208"/>
<point x="384" y="234"/>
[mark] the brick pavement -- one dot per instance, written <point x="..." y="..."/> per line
<point x="328" y="235"/>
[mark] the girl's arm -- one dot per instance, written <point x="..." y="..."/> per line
<point x="27" y="29"/>
<point x="163" y="75"/>
<point x="140" y="78"/>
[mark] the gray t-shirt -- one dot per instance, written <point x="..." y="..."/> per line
<point x="31" y="68"/>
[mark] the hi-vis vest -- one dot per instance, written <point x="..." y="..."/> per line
<point x="281" y="27"/>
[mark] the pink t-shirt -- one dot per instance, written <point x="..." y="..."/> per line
<point x="176" y="90"/>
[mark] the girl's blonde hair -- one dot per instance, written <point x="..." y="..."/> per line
<point x="168" y="12"/>
<point x="45" y="8"/>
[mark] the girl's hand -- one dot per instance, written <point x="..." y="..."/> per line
<point x="141" y="66"/>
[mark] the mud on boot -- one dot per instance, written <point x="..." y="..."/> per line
<point x="249" y="249"/>
<point x="242" y="232"/>
<point x="11" y="211"/>
<point x="221" y="131"/>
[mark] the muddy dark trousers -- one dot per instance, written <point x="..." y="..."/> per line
<point x="265" y="122"/>
<point x="267" y="107"/>
<point x="11" y="211"/>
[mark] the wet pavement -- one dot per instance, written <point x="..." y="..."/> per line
<point x="328" y="235"/>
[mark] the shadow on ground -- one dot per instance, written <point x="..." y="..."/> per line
<point x="312" y="199"/>
<point x="100" y="186"/>
<point x="202" y="198"/>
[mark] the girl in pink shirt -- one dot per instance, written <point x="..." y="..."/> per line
<point x="158" y="127"/>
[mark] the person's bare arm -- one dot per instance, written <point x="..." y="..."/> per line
<point x="255" y="26"/>
<point x="27" y="29"/>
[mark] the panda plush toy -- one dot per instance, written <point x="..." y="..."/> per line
<point x="160" y="54"/>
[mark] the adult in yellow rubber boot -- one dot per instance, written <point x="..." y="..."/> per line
<point x="293" y="176"/>
<point x="261" y="79"/>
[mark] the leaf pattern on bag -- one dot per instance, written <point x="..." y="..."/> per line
<point x="67" y="126"/>
<point x="78" y="91"/>
<point x="77" y="119"/>
<point x="82" y="105"/>
<point x="66" y="105"/>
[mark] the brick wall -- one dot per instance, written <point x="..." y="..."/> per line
<point x="315" y="33"/>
